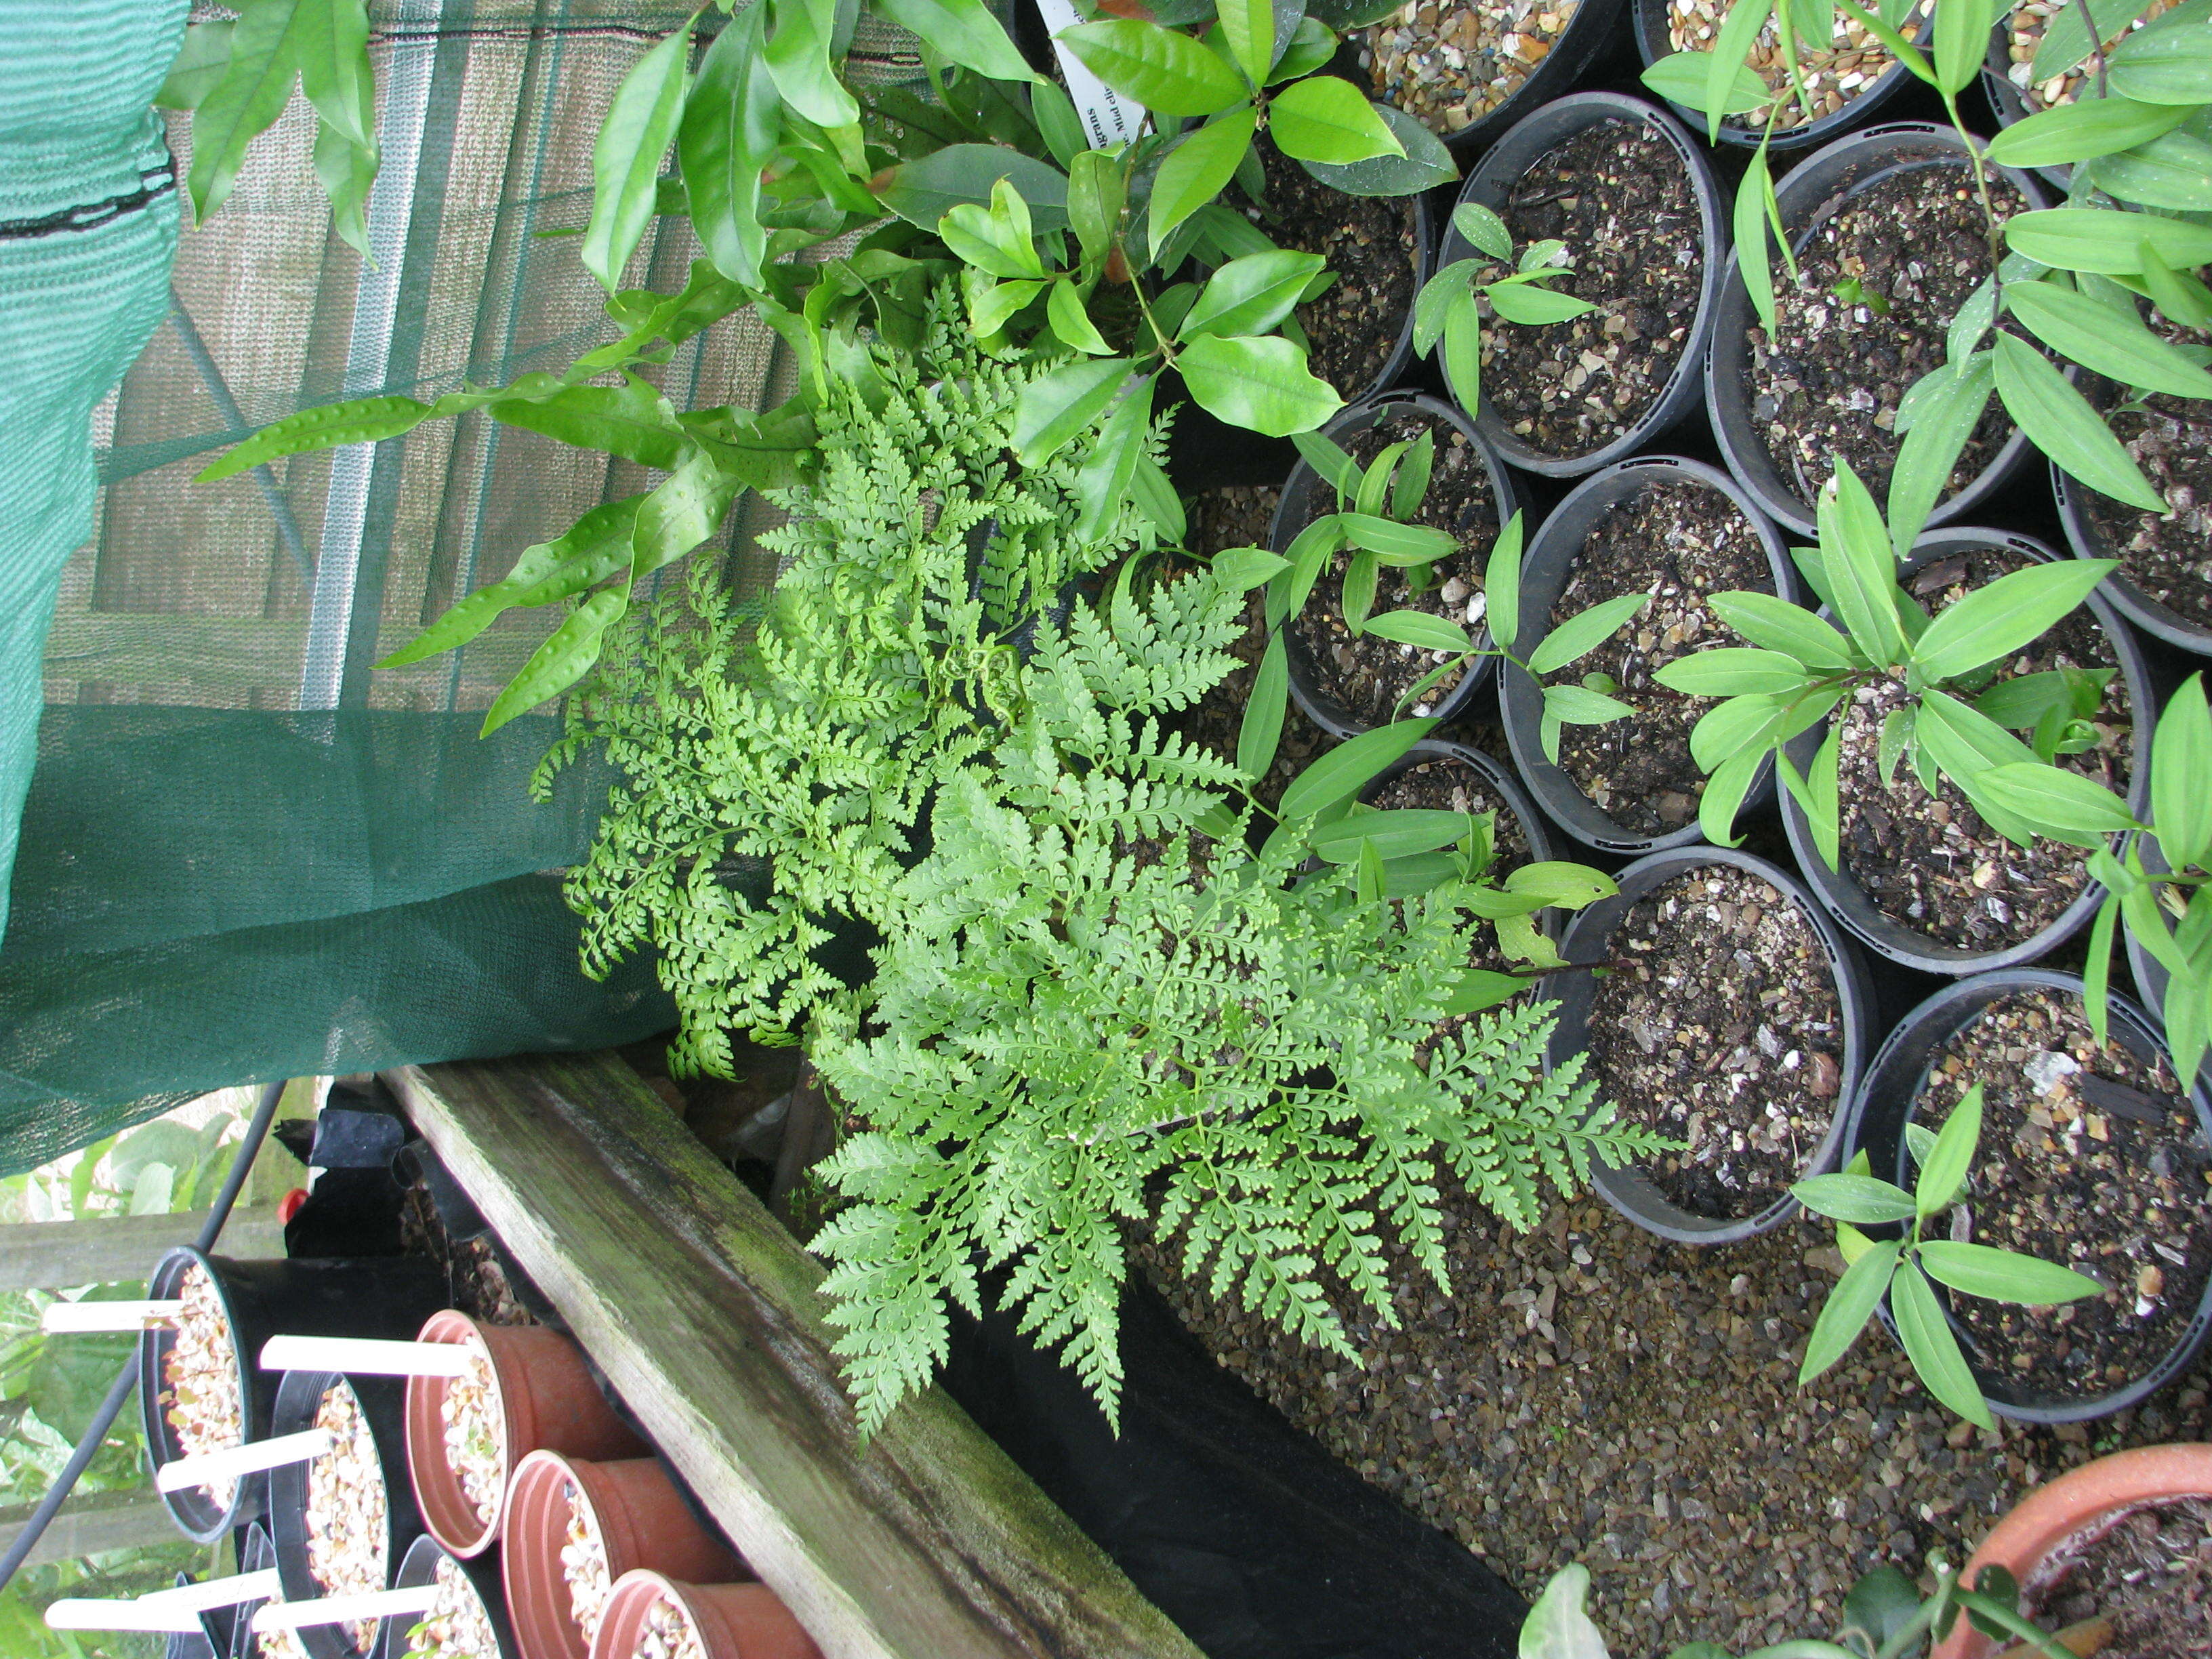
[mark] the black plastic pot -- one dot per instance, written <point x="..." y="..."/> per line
<point x="2086" y="542"/>
<point x="1844" y="898"/>
<point x="1814" y="192"/>
<point x="1489" y="185"/>
<point x="1544" y="574"/>
<point x="420" y="1567"/>
<point x="1651" y="41"/>
<point x="384" y="1405"/>
<point x="1630" y="1191"/>
<point x="199" y="1644"/>
<point x="1294" y="512"/>
<point x="1587" y="35"/>
<point x="1884" y="1103"/>
<point x="255" y="1554"/>
<point x="384" y="1297"/>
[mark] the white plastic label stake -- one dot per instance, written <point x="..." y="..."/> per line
<point x="105" y="1316"/>
<point x="200" y="1467"/>
<point x="218" y="1592"/>
<point x="84" y="1612"/>
<point x="366" y="1355"/>
<point x="341" y="1609"/>
<point x="1107" y="118"/>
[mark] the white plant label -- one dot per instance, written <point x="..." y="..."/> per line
<point x="230" y="1462"/>
<point x="73" y="1316"/>
<point x="366" y="1355"/>
<point x="1107" y="118"/>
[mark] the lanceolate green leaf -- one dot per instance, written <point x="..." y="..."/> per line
<point x="1943" y="1172"/>
<point x="1054" y="408"/>
<point x="1751" y="234"/>
<point x="2077" y="132"/>
<point x="1481" y="229"/>
<point x="1501" y="584"/>
<point x="1262" y="385"/>
<point x="1420" y="630"/>
<point x="2166" y="65"/>
<point x="346" y="170"/>
<point x="964" y="31"/>
<point x="1262" y="727"/>
<point x="1731" y="671"/>
<point x="2003" y="1275"/>
<point x="923" y="192"/>
<point x="1248" y="27"/>
<point x="1848" y="1308"/>
<point x="2001" y="617"/>
<point x="364" y="420"/>
<point x="1944" y="420"/>
<point x="1730" y="782"/>
<point x="1103" y="485"/>
<point x="2174" y="171"/>
<point x="1346" y="769"/>
<point x="2097" y="337"/>
<point x="565" y="658"/>
<point x="1731" y="49"/>
<point x="1861" y="565"/>
<point x="2181" y="777"/>
<point x="2061" y="805"/>
<point x="1325" y="117"/>
<point x="2100" y="239"/>
<point x="1394" y="834"/>
<point x="639" y="127"/>
<point x="1580" y="634"/>
<point x="1681" y="77"/>
<point x="1775" y="623"/>
<point x="255" y="86"/>
<point x="731" y="120"/>
<point x="331" y="38"/>
<point x="1932" y="1349"/>
<point x="1162" y="69"/>
<point x="798" y="54"/>
<point x="2060" y="421"/>
<point x="632" y="421"/>
<point x="1199" y="168"/>
<point x="1858" y="1199"/>
<point x="199" y="66"/>
<point x="1533" y="304"/>
<point x="1961" y="41"/>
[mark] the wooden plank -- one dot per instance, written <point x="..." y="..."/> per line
<point x="51" y="1256"/>
<point x="927" y="1544"/>
<point x="94" y="1524"/>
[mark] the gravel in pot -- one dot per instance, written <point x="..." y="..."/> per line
<point x="1925" y="880"/>
<point x="2092" y="1156"/>
<point x="1849" y="80"/>
<point x="1634" y="200"/>
<point x="652" y="1616"/>
<point x="1732" y="1019"/>
<point x="1465" y="68"/>
<point x="1888" y="218"/>
<point x="2164" y="584"/>
<point x="202" y="1378"/>
<point x="467" y="1621"/>
<point x="1359" y="332"/>
<point x="1347" y="685"/>
<point x="1676" y="529"/>
<point x="2014" y="95"/>
<point x="341" y="1522"/>
<point x="2147" y="1574"/>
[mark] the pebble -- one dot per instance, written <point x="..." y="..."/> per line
<point x="475" y="1434"/>
<point x="201" y="1372"/>
<point x="1854" y="60"/>
<point x="349" y="1541"/>
<point x="584" y="1564"/>
<point x="665" y="1633"/>
<point x="458" y="1625"/>
<point x="1451" y="63"/>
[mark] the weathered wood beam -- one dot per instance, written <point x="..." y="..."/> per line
<point x="51" y="1256"/>
<point x="927" y="1544"/>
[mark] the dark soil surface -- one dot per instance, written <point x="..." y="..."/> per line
<point x="2149" y="1571"/>
<point x="1679" y="543"/>
<point x="1621" y="197"/>
<point x="1830" y="381"/>
<point x="1373" y="245"/>
<point x="2167" y="555"/>
<point x="1367" y="676"/>
<point x="1727" y="1035"/>
<point x="1443" y="784"/>
<point x="1589" y="1393"/>
<point x="1933" y="865"/>
<point x="2113" y="1182"/>
<point x="1237" y="515"/>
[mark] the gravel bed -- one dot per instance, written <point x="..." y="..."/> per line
<point x="1592" y="1394"/>
<point x="475" y="1447"/>
<point x="349" y="1541"/>
<point x="1853" y="61"/>
<point x="457" y="1626"/>
<point x="2025" y="33"/>
<point x="1451" y="63"/>
<point x="584" y="1563"/>
<point x="205" y="1409"/>
<point x="667" y="1634"/>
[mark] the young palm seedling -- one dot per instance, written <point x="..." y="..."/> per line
<point x="1952" y="721"/>
<point x="1902" y="1268"/>
<point x="1451" y="303"/>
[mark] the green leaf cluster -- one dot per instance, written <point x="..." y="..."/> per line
<point x="1450" y="305"/>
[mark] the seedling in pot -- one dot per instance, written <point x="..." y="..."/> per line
<point x="458" y="1625"/>
<point x="1952" y="721"/>
<point x="1901" y="1268"/>
<point x="1451" y="303"/>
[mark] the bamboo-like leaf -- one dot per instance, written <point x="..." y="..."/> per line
<point x="1580" y="634"/>
<point x="639" y="125"/>
<point x="2057" y="804"/>
<point x="1999" y="617"/>
<point x="2004" y="1275"/>
<point x="2081" y="131"/>
<point x="1420" y="630"/>
<point x="1751" y="233"/>
<point x="1943" y="1172"/>
<point x="2181" y="777"/>
<point x="1862" y="565"/>
<point x="2097" y="337"/>
<point x="2060" y="421"/>
<point x="1344" y="771"/>
<point x="1932" y="1349"/>
<point x="1262" y="727"/>
<point x="1861" y="1199"/>
<point x="1848" y="1308"/>
<point x="1944" y="419"/>
<point x="1501" y="584"/>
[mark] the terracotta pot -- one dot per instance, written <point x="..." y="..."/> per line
<point x="734" y="1622"/>
<point x="2048" y="1516"/>
<point x="547" y="1398"/>
<point x="641" y="1518"/>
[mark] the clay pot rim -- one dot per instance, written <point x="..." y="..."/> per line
<point x="425" y="1401"/>
<point x="2058" y="1509"/>
<point x="638" y="1585"/>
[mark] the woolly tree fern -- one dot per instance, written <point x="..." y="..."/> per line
<point x="1090" y="1015"/>
<point x="775" y="764"/>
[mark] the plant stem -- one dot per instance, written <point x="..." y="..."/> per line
<point x="1994" y="229"/>
<point x="1159" y="338"/>
<point x="2096" y="49"/>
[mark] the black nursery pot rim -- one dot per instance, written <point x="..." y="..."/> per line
<point x="1575" y="48"/>
<point x="1652" y="44"/>
<point x="1551" y="558"/>
<point x="420" y="1566"/>
<point x="196" y="1513"/>
<point x="1539" y="132"/>
<point x="2087" y="541"/>
<point x="1322" y="709"/>
<point x="1813" y="193"/>
<point x="382" y="1400"/>
<point x="1629" y="1190"/>
<point x="1844" y="899"/>
<point x="255" y="1554"/>
<point x="1884" y="1103"/>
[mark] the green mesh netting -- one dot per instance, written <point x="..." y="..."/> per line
<point x="246" y="854"/>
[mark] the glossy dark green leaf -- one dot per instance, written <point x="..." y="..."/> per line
<point x="639" y="127"/>
<point x="798" y="54"/>
<point x="1325" y="117"/>
<point x="1253" y="294"/>
<point x="964" y="31"/>
<point x="1055" y="407"/>
<point x="923" y="192"/>
<point x="1165" y="71"/>
<point x="1199" y="168"/>
<point x="1262" y="385"/>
